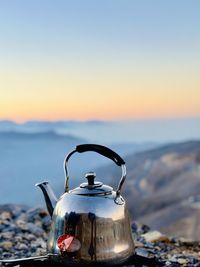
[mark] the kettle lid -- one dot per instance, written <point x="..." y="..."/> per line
<point x="92" y="187"/>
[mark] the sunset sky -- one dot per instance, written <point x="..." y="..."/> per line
<point x="106" y="59"/>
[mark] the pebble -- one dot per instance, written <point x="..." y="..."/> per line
<point x="155" y="236"/>
<point x="142" y="252"/>
<point x="182" y="261"/>
<point x="18" y="238"/>
<point x="29" y="237"/>
<point x="5" y="216"/>
<point x="22" y="225"/>
<point x="22" y="247"/>
<point x="6" y="245"/>
<point x="145" y="229"/>
<point x="6" y="235"/>
<point x="33" y="229"/>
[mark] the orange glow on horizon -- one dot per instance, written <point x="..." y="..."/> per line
<point x="48" y="96"/>
<point x="51" y="115"/>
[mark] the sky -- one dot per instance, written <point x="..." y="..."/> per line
<point x="106" y="59"/>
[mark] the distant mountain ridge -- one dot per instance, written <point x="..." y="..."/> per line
<point x="120" y="131"/>
<point x="47" y="134"/>
<point x="42" y="126"/>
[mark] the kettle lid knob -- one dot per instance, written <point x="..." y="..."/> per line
<point x="90" y="176"/>
<point x="92" y="187"/>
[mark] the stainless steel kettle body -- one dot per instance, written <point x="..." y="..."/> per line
<point x="90" y="224"/>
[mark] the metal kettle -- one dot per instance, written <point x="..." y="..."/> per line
<point x="90" y="224"/>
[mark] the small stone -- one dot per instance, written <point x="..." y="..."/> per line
<point x="145" y="229"/>
<point x="33" y="249"/>
<point x="172" y="258"/>
<point x="41" y="251"/>
<point x="192" y="260"/>
<point x="22" y="247"/>
<point x="182" y="261"/>
<point x="10" y="227"/>
<point x="168" y="263"/>
<point x="134" y="227"/>
<point x="174" y="239"/>
<point x="138" y="244"/>
<point x="7" y="235"/>
<point x="30" y="237"/>
<point x="23" y="217"/>
<point x="6" y="245"/>
<point x="155" y="236"/>
<point x="5" y="215"/>
<point x="41" y="243"/>
<point x="142" y="252"/>
<point x="22" y="225"/>
<point x="33" y="214"/>
<point x="32" y="228"/>
<point x="43" y="213"/>
<point x="18" y="238"/>
<point x="6" y="255"/>
<point x="1" y="226"/>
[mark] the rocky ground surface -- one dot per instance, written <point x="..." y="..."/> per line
<point x="24" y="232"/>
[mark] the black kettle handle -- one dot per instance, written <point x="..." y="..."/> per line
<point x="103" y="150"/>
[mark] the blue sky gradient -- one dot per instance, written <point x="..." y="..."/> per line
<point x="102" y="45"/>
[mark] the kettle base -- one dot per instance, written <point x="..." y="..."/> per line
<point x="46" y="261"/>
<point x="72" y="262"/>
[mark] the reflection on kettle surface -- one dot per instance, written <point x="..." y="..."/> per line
<point x="119" y="248"/>
<point x="90" y="224"/>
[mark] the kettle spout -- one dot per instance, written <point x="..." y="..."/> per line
<point x="49" y="196"/>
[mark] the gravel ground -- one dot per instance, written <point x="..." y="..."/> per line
<point x="24" y="232"/>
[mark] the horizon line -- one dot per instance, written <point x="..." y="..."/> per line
<point x="101" y="120"/>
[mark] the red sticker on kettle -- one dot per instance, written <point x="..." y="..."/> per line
<point x="68" y="243"/>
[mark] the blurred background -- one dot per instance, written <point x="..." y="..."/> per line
<point x="125" y="74"/>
